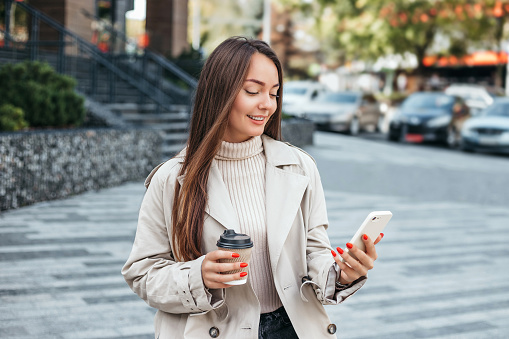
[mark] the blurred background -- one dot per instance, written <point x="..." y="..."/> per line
<point x="137" y="52"/>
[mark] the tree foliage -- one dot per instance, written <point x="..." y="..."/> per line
<point x="368" y="29"/>
<point x="221" y="19"/>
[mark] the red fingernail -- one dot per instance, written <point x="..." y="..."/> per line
<point x="349" y="245"/>
<point x="382" y="235"/>
<point x="333" y="253"/>
<point x="340" y="250"/>
<point x="365" y="237"/>
<point x="235" y="255"/>
<point x="243" y="264"/>
<point x="243" y="274"/>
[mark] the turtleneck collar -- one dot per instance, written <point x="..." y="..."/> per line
<point x="240" y="150"/>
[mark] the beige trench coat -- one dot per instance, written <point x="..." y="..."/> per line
<point x="303" y="268"/>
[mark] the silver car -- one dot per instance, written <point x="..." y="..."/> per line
<point x="489" y="131"/>
<point x="297" y="93"/>
<point x="348" y="112"/>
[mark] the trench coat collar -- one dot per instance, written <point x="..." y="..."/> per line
<point x="219" y="205"/>
<point x="283" y="190"/>
<point x="283" y="194"/>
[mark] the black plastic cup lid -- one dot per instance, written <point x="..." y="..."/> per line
<point x="230" y="239"/>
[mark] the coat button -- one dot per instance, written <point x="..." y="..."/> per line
<point x="331" y="328"/>
<point x="214" y="332"/>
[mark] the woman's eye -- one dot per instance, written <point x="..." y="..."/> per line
<point x="255" y="93"/>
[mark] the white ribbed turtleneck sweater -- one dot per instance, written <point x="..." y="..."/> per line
<point x="242" y="166"/>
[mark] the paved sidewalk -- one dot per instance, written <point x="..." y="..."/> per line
<point x="60" y="267"/>
<point x="442" y="271"/>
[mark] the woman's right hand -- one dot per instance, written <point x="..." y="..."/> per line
<point x="211" y="268"/>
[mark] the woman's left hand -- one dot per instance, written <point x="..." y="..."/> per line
<point x="353" y="269"/>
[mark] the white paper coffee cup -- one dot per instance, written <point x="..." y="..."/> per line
<point x="238" y="243"/>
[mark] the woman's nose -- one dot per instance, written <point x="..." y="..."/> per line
<point x="267" y="103"/>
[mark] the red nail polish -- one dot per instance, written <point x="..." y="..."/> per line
<point x="365" y="237"/>
<point x="340" y="250"/>
<point x="243" y="274"/>
<point x="349" y="245"/>
<point x="243" y="264"/>
<point x="333" y="253"/>
<point x="235" y="255"/>
<point x="382" y="235"/>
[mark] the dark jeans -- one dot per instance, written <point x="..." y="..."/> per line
<point x="276" y="325"/>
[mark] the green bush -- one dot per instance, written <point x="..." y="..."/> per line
<point x="47" y="98"/>
<point x="11" y="118"/>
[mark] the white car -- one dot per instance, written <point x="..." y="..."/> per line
<point x="298" y="93"/>
<point x="476" y="97"/>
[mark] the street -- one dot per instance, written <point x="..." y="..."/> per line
<point x="371" y="165"/>
<point x="441" y="272"/>
<point x="442" y="267"/>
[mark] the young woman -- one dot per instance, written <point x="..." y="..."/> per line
<point x="236" y="174"/>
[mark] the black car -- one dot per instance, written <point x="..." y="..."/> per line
<point x="429" y="117"/>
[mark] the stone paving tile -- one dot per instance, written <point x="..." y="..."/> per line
<point x="88" y="334"/>
<point x="458" y="282"/>
<point x="60" y="269"/>
<point x="55" y="255"/>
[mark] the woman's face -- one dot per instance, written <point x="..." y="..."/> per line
<point x="256" y="101"/>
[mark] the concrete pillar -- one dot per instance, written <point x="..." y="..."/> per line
<point x="121" y="7"/>
<point x="75" y="21"/>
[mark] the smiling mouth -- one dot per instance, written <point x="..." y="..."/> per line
<point x="256" y="118"/>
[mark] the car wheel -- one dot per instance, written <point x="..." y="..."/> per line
<point x="392" y="137"/>
<point x="452" y="138"/>
<point x="354" y="126"/>
<point x="466" y="148"/>
<point x="396" y="135"/>
<point x="380" y="124"/>
<point x="402" y="134"/>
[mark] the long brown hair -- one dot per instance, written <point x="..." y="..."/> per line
<point x="221" y="79"/>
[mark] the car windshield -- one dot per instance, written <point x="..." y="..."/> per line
<point x="344" y="98"/>
<point x="470" y="96"/>
<point x="295" y="90"/>
<point x="500" y="109"/>
<point x="467" y="93"/>
<point x="428" y="101"/>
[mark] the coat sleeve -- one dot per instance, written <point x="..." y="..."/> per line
<point x="151" y="271"/>
<point x="323" y="272"/>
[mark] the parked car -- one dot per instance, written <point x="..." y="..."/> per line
<point x="348" y="112"/>
<point x="429" y="117"/>
<point x="476" y="97"/>
<point x="488" y="131"/>
<point x="296" y="93"/>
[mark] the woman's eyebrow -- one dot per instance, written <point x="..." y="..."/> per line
<point x="260" y="82"/>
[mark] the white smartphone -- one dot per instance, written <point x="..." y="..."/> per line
<point x="372" y="226"/>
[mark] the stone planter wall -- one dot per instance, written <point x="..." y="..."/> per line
<point x="40" y="166"/>
<point x="298" y="132"/>
<point x="47" y="165"/>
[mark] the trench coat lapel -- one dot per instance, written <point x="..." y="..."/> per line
<point x="219" y="205"/>
<point x="284" y="191"/>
